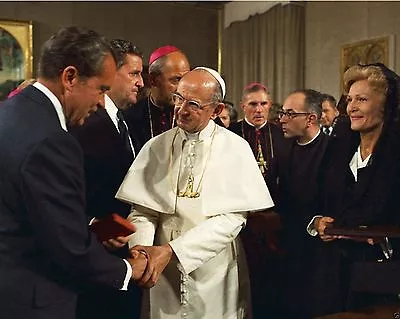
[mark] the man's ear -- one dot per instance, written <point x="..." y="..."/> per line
<point x="69" y="77"/>
<point x="218" y="109"/>
<point x="312" y="118"/>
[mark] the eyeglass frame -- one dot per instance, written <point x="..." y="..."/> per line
<point x="291" y="114"/>
<point x="192" y="103"/>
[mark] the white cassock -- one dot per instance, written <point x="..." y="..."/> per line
<point x="209" y="278"/>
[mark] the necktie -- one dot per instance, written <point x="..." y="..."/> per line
<point x="123" y="132"/>
<point x="327" y="131"/>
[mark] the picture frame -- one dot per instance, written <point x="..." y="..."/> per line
<point x="16" y="54"/>
<point x="374" y="50"/>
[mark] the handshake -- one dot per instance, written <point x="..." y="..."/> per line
<point x="148" y="262"/>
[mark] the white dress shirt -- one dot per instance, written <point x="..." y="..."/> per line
<point x="112" y="110"/>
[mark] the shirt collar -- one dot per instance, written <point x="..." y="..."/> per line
<point x="111" y="109"/>
<point x="257" y="128"/>
<point x="56" y="103"/>
<point x="202" y="135"/>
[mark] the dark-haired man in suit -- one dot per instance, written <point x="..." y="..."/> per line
<point x="108" y="153"/>
<point x="332" y="122"/>
<point x="46" y="249"/>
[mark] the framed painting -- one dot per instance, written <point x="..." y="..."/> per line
<point x="15" y="54"/>
<point x="368" y="51"/>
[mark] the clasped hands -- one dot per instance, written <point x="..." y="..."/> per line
<point x="148" y="262"/>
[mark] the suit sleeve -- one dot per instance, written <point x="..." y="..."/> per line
<point x="206" y="240"/>
<point x="53" y="190"/>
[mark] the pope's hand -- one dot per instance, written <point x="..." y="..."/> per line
<point x="158" y="259"/>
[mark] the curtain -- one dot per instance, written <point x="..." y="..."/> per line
<point x="266" y="48"/>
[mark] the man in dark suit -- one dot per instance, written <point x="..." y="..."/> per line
<point x="108" y="153"/>
<point x="46" y="249"/>
<point x="154" y="114"/>
<point x="332" y="122"/>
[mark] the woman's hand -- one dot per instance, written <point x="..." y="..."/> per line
<point x="320" y="224"/>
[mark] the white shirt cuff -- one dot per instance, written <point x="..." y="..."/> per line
<point x="310" y="227"/>
<point x="127" y="276"/>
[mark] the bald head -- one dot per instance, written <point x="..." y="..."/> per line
<point x="208" y="82"/>
<point x="200" y="100"/>
<point x="164" y="76"/>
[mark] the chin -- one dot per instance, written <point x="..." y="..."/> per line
<point x="356" y="128"/>
<point x="287" y="135"/>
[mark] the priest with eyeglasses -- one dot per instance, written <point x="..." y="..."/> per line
<point x="191" y="189"/>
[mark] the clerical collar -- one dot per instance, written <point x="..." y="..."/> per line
<point x="310" y="141"/>
<point x="257" y="128"/>
<point x="202" y="135"/>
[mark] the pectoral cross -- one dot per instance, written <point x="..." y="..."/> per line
<point x="188" y="192"/>
<point x="262" y="164"/>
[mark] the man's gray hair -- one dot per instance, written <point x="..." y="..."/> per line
<point x="157" y="67"/>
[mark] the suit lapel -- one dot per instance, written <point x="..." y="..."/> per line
<point x="107" y="125"/>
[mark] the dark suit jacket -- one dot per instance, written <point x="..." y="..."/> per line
<point x="45" y="245"/>
<point x="347" y="265"/>
<point x="106" y="163"/>
<point x="299" y="168"/>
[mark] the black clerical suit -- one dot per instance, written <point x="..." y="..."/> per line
<point x="267" y="134"/>
<point x="259" y="237"/>
<point x="45" y="246"/>
<point x="299" y="168"/>
<point x="107" y="159"/>
<point x="147" y="120"/>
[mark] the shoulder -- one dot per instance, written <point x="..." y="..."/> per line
<point x="136" y="111"/>
<point x="160" y="141"/>
<point x="96" y="123"/>
<point x="230" y="139"/>
<point x="57" y="150"/>
<point x="236" y="127"/>
<point x="275" y="129"/>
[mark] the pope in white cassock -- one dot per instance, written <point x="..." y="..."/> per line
<point x="191" y="189"/>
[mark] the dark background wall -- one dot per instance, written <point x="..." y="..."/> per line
<point x="193" y="27"/>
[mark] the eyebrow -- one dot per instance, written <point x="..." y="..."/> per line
<point x="256" y="102"/>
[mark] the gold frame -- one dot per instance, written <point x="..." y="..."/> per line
<point x="373" y="50"/>
<point x="21" y="33"/>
